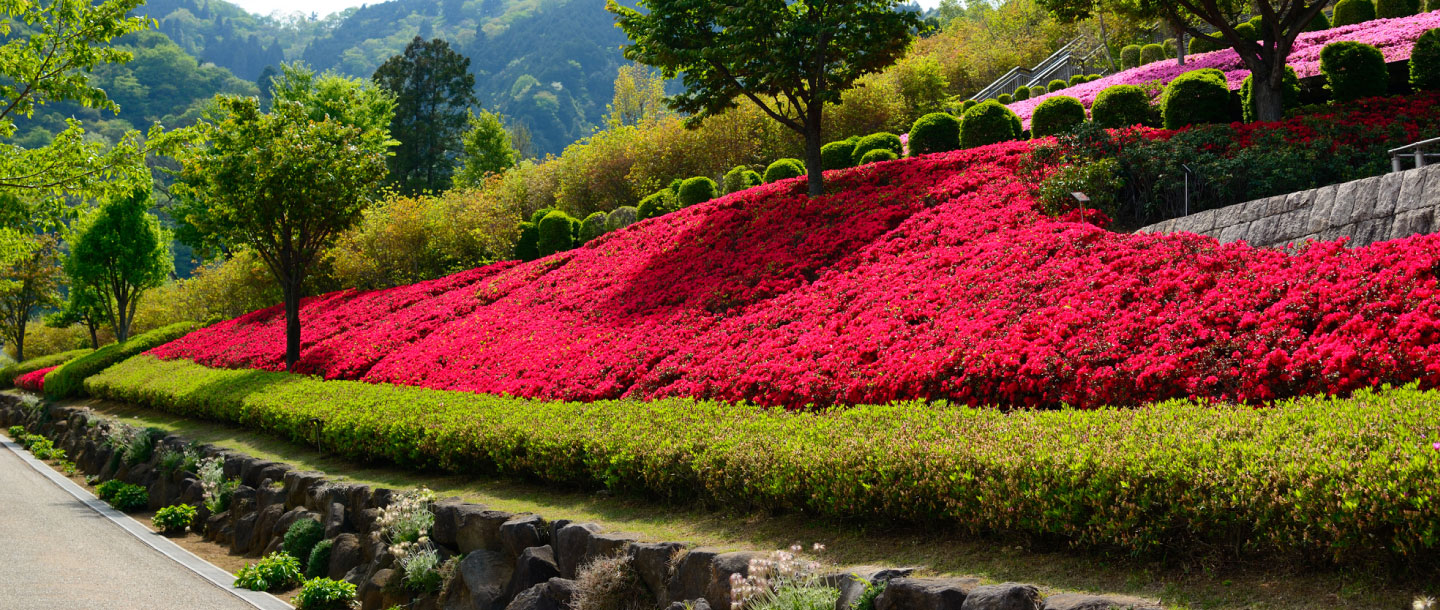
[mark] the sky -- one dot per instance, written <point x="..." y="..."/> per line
<point x="325" y="7"/>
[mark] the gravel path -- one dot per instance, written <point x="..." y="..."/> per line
<point x="56" y="552"/>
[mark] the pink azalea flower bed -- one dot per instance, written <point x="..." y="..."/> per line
<point x="931" y="277"/>
<point x="1394" y="37"/>
<point x="33" y="381"/>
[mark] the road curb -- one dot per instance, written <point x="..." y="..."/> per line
<point x="166" y="547"/>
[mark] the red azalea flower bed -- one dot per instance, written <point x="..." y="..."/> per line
<point x="932" y="277"/>
<point x="34" y="380"/>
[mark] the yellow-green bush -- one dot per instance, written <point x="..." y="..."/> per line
<point x="68" y="380"/>
<point x="16" y="369"/>
<point x="1347" y="479"/>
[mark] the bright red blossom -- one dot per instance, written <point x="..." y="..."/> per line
<point x="33" y="381"/>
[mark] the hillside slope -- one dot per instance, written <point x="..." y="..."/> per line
<point x="930" y="277"/>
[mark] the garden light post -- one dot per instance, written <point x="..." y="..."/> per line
<point x="1082" y="199"/>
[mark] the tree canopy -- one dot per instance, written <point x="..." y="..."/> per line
<point x="788" y="58"/>
<point x="121" y="252"/>
<point x="433" y="91"/>
<point x="487" y="149"/>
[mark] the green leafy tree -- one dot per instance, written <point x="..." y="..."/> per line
<point x="487" y="149"/>
<point x="285" y="183"/>
<point x="122" y="252"/>
<point x="82" y="306"/>
<point x="33" y="278"/>
<point x="788" y="58"/>
<point x="433" y="91"/>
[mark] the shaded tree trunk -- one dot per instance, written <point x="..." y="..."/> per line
<point x="293" y="293"/>
<point x="20" y="341"/>
<point x="814" y="169"/>
<point x="94" y="338"/>
<point x="1267" y="93"/>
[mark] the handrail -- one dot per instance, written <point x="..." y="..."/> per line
<point x="1420" y="155"/>
<point x="1062" y="59"/>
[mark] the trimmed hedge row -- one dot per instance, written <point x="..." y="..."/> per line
<point x="9" y="373"/>
<point x="68" y="380"/>
<point x="1348" y="479"/>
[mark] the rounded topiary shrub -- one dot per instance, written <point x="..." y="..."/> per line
<point x="1195" y="97"/>
<point x="659" y="203"/>
<point x="557" y="234"/>
<point x="304" y="534"/>
<point x="527" y="246"/>
<point x="1076" y="79"/>
<point x="1351" y="12"/>
<point x="783" y="169"/>
<point x="622" y="217"/>
<point x="1353" y="70"/>
<point x="1320" y="22"/>
<point x="878" y="155"/>
<point x="1171" y="47"/>
<point x="935" y="132"/>
<point x="1151" y="53"/>
<point x="1021" y="93"/>
<point x="1056" y="85"/>
<point x="971" y="103"/>
<point x="1425" y="62"/>
<point x="837" y="155"/>
<point x="1390" y="9"/>
<point x="740" y="178"/>
<point x="1037" y="91"/>
<point x="593" y="226"/>
<point x="1056" y="115"/>
<point x="1130" y="57"/>
<point x="697" y="190"/>
<point x="1248" y="32"/>
<point x="988" y="123"/>
<point x="1289" y="94"/>
<point x="1121" y="106"/>
<point x="1202" y="45"/>
<point x="1004" y="98"/>
<point x="319" y="563"/>
<point x="876" y="141"/>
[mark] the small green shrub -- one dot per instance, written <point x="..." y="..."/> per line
<point x="876" y="141"/>
<point x="742" y="178"/>
<point x="837" y="155"/>
<point x="15" y="432"/>
<point x="107" y="490"/>
<point x="527" y="246"/>
<point x="1021" y="93"/>
<point x="1353" y="70"/>
<point x="1077" y="79"/>
<point x="1194" y="98"/>
<point x="1248" y="31"/>
<point x="878" y="155"/>
<point x="1151" y="53"/>
<point x="1130" y="57"/>
<point x="867" y="597"/>
<point x="68" y="380"/>
<point x="128" y="498"/>
<point x="274" y="571"/>
<point x="932" y="133"/>
<point x="784" y="169"/>
<point x="1121" y="106"/>
<point x="1056" y="85"/>
<point x="972" y="103"/>
<point x="16" y="369"/>
<point x="659" y="203"/>
<point x="1351" y="12"/>
<point x="1004" y="98"/>
<point x="325" y="594"/>
<point x="302" y="537"/>
<point x="592" y="227"/>
<point x="174" y="519"/>
<point x="557" y="233"/>
<point x="1171" y="47"/>
<point x="697" y="190"/>
<point x="141" y="445"/>
<point x="319" y="563"/>
<point x="1425" y="62"/>
<point x="1320" y="22"/>
<point x="218" y="489"/>
<point x="1202" y="45"/>
<point x="1289" y="94"/>
<point x="988" y="123"/>
<point x="1390" y="9"/>
<point x="621" y="217"/>
<point x="1056" y="115"/>
<point x="421" y="570"/>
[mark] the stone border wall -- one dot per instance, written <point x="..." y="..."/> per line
<point x="1377" y="209"/>
<point x="510" y="561"/>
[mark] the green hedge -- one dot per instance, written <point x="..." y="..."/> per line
<point x="1151" y="53"/>
<point x="68" y="380"/>
<point x="1353" y="70"/>
<point x="784" y="169"/>
<point x="1345" y="479"/>
<point x="1351" y="12"/>
<point x="9" y="373"/>
<point x="1130" y="56"/>
<point x="1425" y="62"/>
<point x="988" y="123"/>
<point x="934" y="132"/>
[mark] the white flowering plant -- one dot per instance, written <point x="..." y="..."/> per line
<point x="780" y="579"/>
<point x="407" y="521"/>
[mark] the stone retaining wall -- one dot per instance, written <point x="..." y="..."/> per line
<point x="1367" y="211"/>
<point x="509" y="561"/>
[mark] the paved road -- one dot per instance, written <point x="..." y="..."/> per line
<point x="57" y="553"/>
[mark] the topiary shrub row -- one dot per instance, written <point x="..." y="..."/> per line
<point x="740" y="178"/>
<point x="1056" y="115"/>
<point x="68" y="381"/>
<point x="784" y="169"/>
<point x="9" y="373"/>
<point x="935" y="132"/>
<point x="1201" y="96"/>
<point x="987" y="123"/>
<point x="1353" y="70"/>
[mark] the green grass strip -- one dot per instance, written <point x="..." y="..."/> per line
<point x="9" y="373"/>
<point x="68" y="380"/>
<point x="1345" y="479"/>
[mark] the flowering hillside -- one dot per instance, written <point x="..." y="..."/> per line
<point x="1394" y="37"/>
<point x="930" y="277"/>
<point x="34" y="380"/>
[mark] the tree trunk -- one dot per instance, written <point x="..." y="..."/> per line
<point x="292" y="291"/>
<point x="1180" y="48"/>
<point x="1267" y="93"/>
<point x="94" y="338"/>
<point x="814" y="169"/>
<point x="1105" y="41"/>
<point x="20" y="342"/>
<point x="122" y="322"/>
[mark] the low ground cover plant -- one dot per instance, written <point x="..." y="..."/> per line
<point x="1300" y="476"/>
<point x="274" y="571"/>
<point x="325" y="594"/>
<point x="123" y="497"/>
<point x="174" y="519"/>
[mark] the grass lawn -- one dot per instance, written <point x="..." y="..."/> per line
<point x="1179" y="584"/>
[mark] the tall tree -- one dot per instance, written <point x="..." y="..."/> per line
<point x="82" y="306"/>
<point x="433" y="91"/>
<point x="122" y="252"/>
<point x="788" y="58"/>
<point x="639" y="95"/>
<point x="34" y="277"/>
<point x="285" y="183"/>
<point x="488" y="149"/>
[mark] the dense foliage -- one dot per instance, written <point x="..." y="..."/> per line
<point x="1057" y="115"/>
<point x="1302" y="476"/>
<point x="935" y="132"/>
<point x="988" y="123"/>
<point x="1121" y="106"/>
<point x="50" y="361"/>
<point x="1195" y="98"/>
<point x="1353" y="70"/>
<point x="66" y="381"/>
<point x="1425" y="62"/>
